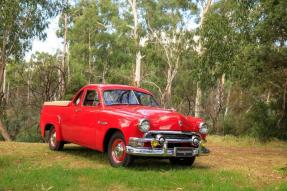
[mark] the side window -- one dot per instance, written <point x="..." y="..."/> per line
<point x="91" y="98"/>
<point x="78" y="98"/>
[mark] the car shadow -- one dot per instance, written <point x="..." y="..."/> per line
<point x="158" y="164"/>
<point x="84" y="152"/>
<point x="140" y="164"/>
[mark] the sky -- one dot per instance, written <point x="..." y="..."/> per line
<point x="52" y="42"/>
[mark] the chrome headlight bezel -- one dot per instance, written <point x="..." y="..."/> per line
<point x="144" y="125"/>
<point x="203" y="128"/>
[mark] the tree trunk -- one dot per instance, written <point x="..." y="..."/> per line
<point x="68" y="65"/>
<point x="137" y="74"/>
<point x="2" y="76"/>
<point x="227" y="103"/>
<point x="197" y="105"/>
<point x="28" y="92"/>
<point x="63" y="66"/>
<point x="137" y="79"/>
<point x="3" y="129"/>
<point x="7" y="92"/>
<point x="219" y="101"/>
<point x="4" y="132"/>
<point x="4" y="82"/>
<point x="103" y="78"/>
<point x="89" y="57"/>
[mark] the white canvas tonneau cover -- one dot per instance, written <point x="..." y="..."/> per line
<point x="57" y="103"/>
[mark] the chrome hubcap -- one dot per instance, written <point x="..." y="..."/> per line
<point x="53" y="139"/>
<point x="118" y="150"/>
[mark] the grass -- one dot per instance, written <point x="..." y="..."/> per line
<point x="231" y="166"/>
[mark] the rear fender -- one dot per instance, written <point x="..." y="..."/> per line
<point x="56" y="123"/>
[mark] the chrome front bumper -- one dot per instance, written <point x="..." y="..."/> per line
<point x="136" y="148"/>
<point x="157" y="152"/>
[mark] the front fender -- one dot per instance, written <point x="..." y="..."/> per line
<point x="107" y="121"/>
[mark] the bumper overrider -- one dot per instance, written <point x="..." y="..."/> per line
<point x="166" y="144"/>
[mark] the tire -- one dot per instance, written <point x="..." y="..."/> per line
<point x="117" y="151"/>
<point x="54" y="145"/>
<point x="188" y="161"/>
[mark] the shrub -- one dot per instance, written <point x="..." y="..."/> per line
<point x="259" y="122"/>
<point x="31" y="134"/>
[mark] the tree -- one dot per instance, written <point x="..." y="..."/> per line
<point x="166" y="28"/>
<point x="246" y="42"/>
<point x="65" y="64"/>
<point x="137" y="75"/>
<point x="20" y="21"/>
<point x="100" y="42"/>
<point x="198" y="98"/>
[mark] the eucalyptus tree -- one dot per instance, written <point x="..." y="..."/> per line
<point x="138" y="59"/>
<point x="198" y="98"/>
<point x="246" y="42"/>
<point x="99" y="41"/>
<point x="20" y="21"/>
<point x="219" y="45"/>
<point x="165" y="23"/>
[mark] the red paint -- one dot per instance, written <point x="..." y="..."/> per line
<point x="88" y="125"/>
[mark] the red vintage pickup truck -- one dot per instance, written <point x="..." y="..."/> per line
<point x="124" y="121"/>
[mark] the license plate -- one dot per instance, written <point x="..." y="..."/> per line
<point x="184" y="151"/>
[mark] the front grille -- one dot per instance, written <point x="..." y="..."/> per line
<point x="172" y="145"/>
<point x="174" y="135"/>
<point x="180" y="136"/>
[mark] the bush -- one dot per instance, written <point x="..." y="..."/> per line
<point x="23" y="127"/>
<point x="259" y="122"/>
<point x="262" y="121"/>
<point x="31" y="134"/>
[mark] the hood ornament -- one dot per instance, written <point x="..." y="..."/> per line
<point x="180" y="123"/>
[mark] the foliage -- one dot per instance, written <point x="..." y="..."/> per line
<point x="20" y="22"/>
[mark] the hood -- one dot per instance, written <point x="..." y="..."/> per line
<point x="159" y="118"/>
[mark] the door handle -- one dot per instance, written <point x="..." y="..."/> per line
<point x="102" y="122"/>
<point x="78" y="110"/>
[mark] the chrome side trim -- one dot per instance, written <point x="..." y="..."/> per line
<point x="171" y="133"/>
<point x="168" y="140"/>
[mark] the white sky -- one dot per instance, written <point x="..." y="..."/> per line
<point x="52" y="42"/>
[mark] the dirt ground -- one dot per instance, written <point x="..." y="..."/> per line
<point x="264" y="164"/>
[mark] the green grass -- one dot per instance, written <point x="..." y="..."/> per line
<point x="26" y="166"/>
<point x="20" y="176"/>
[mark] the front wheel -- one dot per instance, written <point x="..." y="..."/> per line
<point x="117" y="151"/>
<point x="187" y="161"/>
<point x="53" y="143"/>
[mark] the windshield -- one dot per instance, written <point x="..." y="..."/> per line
<point x="128" y="97"/>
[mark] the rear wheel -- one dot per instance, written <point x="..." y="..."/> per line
<point x="187" y="161"/>
<point x="53" y="143"/>
<point x="117" y="151"/>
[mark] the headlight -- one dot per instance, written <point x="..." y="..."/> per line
<point x="144" y="125"/>
<point x="203" y="129"/>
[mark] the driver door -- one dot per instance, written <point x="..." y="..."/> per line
<point x="86" y="119"/>
<point x="70" y="130"/>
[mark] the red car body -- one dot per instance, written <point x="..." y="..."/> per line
<point x="93" y="125"/>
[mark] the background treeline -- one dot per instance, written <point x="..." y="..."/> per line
<point x="225" y="60"/>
